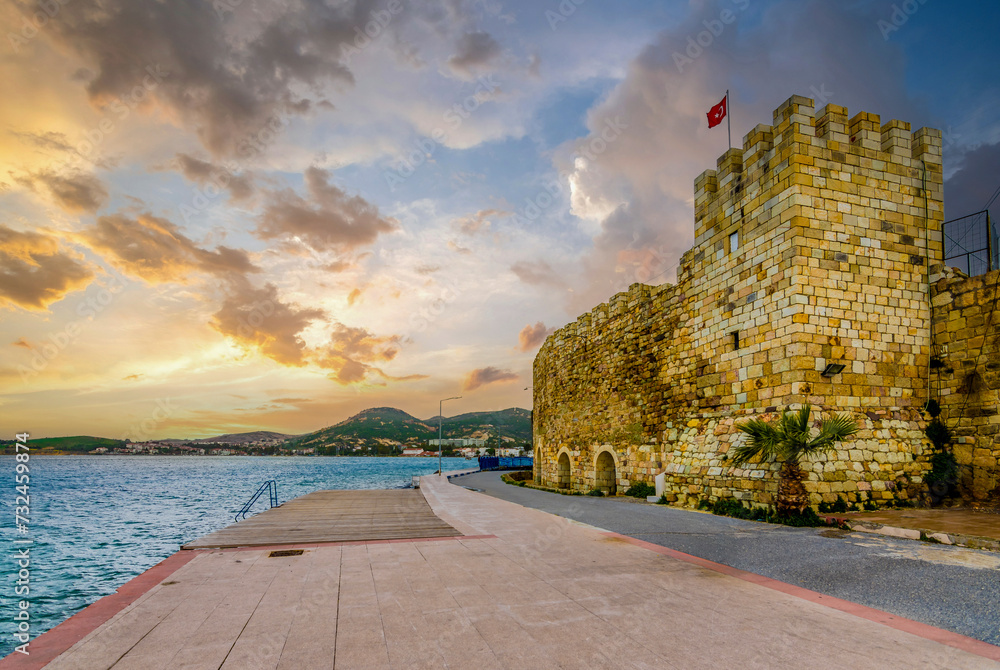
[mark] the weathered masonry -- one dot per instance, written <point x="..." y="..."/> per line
<point x="818" y="244"/>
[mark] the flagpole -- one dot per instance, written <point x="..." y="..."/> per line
<point x="729" y="115"/>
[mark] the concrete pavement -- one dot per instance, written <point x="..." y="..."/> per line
<point x="949" y="587"/>
<point x="521" y="589"/>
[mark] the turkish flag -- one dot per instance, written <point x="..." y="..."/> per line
<point x="717" y="113"/>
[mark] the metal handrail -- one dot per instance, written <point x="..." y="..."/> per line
<point x="271" y="486"/>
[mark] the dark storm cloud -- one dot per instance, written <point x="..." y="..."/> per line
<point x="225" y="69"/>
<point x="969" y="189"/>
<point x="637" y="183"/>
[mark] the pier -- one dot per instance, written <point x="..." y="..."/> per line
<point x="334" y="516"/>
<point x="483" y="584"/>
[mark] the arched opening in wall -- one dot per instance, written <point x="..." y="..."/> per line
<point x="605" y="477"/>
<point x="562" y="472"/>
<point x="536" y="465"/>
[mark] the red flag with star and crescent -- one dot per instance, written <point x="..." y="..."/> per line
<point x="717" y="113"/>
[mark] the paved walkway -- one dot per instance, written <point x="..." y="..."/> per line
<point x="949" y="587"/>
<point x="521" y="589"/>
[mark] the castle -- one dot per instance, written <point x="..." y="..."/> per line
<point x="816" y="277"/>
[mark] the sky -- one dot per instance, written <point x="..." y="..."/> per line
<point x="242" y="215"/>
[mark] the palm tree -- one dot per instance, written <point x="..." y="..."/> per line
<point x="787" y="442"/>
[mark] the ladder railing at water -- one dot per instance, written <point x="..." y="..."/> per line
<point x="271" y="486"/>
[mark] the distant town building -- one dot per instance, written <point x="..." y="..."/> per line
<point x="458" y="442"/>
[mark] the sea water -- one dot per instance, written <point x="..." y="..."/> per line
<point x="96" y="522"/>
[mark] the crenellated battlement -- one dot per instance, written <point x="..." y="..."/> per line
<point x="797" y="134"/>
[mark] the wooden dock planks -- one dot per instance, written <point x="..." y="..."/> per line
<point x="334" y="516"/>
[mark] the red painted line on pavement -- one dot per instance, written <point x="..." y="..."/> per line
<point x="50" y="644"/>
<point x="947" y="637"/>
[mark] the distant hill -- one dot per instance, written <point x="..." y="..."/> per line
<point x="374" y="430"/>
<point x="257" y="436"/>
<point x="514" y="422"/>
<point x="76" y="443"/>
<point x="379" y="428"/>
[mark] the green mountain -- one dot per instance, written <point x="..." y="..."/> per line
<point x="76" y="443"/>
<point x="382" y="429"/>
<point x="513" y="423"/>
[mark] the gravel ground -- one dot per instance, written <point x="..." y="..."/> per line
<point x="949" y="587"/>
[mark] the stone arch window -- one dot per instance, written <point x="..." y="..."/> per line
<point x="605" y="473"/>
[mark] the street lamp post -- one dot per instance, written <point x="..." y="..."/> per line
<point x="440" y="412"/>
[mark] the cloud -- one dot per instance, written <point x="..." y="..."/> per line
<point x="227" y="69"/>
<point x="488" y="375"/>
<point x="631" y="176"/>
<point x="329" y="219"/>
<point x="256" y="318"/>
<point x="532" y="336"/>
<point x="21" y="342"/>
<point x="353" y="296"/>
<point x="479" y="221"/>
<point x="457" y="248"/>
<point x="351" y="352"/>
<point x="538" y="273"/>
<point x="240" y="186"/>
<point x="225" y="72"/>
<point x="259" y="319"/>
<point x="35" y="272"/>
<point x="476" y="51"/>
<point x="153" y="249"/>
<point x="76" y="192"/>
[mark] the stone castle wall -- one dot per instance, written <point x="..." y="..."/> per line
<point x="965" y="374"/>
<point x="836" y="222"/>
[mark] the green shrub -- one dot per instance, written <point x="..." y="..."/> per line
<point x="944" y="468"/>
<point x="838" y="506"/>
<point x="807" y="518"/>
<point x="938" y="434"/>
<point x="597" y="493"/>
<point x="734" y="508"/>
<point x="641" y="490"/>
<point x="663" y="500"/>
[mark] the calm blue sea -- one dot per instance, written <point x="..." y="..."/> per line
<point x="98" y="521"/>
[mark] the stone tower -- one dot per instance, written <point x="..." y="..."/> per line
<point x="833" y="222"/>
<point x="812" y="248"/>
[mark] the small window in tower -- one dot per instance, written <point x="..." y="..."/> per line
<point x="736" y="340"/>
<point x="734" y="241"/>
